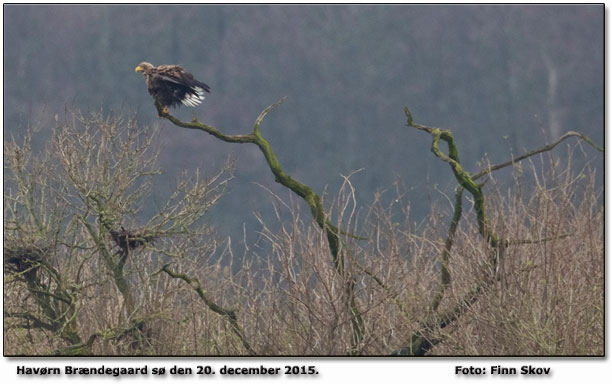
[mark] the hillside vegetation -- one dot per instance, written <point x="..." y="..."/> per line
<point x="503" y="269"/>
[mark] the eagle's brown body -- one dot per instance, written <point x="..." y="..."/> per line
<point x="172" y="85"/>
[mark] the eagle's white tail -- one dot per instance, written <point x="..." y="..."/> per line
<point x="191" y="100"/>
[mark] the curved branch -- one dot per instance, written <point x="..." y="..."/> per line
<point x="280" y="176"/>
<point x="544" y="148"/>
<point x="463" y="177"/>
<point x="263" y="114"/>
<point x="228" y="313"/>
<point x="445" y="277"/>
<point x="196" y="124"/>
<point x="312" y="199"/>
<point x="420" y="343"/>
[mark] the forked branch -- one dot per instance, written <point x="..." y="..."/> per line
<point x="420" y="342"/>
<point x="227" y="313"/>
<point x="305" y="192"/>
<point x="544" y="148"/>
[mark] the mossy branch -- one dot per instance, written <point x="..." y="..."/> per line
<point x="196" y="124"/>
<point x="227" y="313"/>
<point x="445" y="277"/>
<point x="78" y="349"/>
<point x="58" y="306"/>
<point x="420" y="343"/>
<point x="280" y="176"/>
<point x="463" y="177"/>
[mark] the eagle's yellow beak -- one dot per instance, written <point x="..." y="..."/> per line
<point x="138" y="69"/>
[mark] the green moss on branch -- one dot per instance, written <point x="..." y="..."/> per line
<point x="227" y="313"/>
<point x="280" y="176"/>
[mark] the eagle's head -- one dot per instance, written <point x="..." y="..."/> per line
<point x="143" y="67"/>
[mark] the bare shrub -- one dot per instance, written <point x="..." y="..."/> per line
<point x="548" y="294"/>
<point x="547" y="298"/>
<point x="91" y="286"/>
<point x="92" y="267"/>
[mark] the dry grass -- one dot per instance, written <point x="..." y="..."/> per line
<point x="546" y="298"/>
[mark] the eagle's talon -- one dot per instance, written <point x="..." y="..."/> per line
<point x="162" y="112"/>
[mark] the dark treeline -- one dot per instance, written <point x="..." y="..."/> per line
<point x="503" y="78"/>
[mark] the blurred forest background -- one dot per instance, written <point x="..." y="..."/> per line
<point x="104" y="255"/>
<point x="504" y="78"/>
